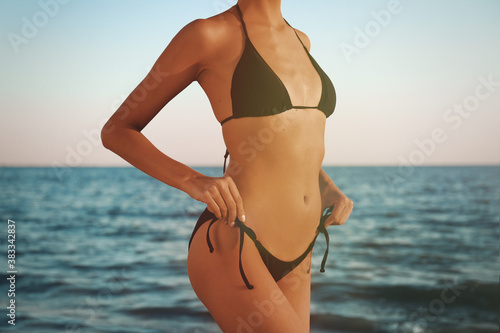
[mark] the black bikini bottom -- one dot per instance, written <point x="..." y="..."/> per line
<point x="278" y="268"/>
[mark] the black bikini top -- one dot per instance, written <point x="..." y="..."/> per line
<point x="257" y="91"/>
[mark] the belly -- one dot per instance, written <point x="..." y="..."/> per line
<point x="275" y="163"/>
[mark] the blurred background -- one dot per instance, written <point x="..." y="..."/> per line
<point x="414" y="142"/>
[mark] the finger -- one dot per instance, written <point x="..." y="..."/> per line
<point x="331" y="220"/>
<point x="220" y="202"/>
<point x="230" y="204"/>
<point x="332" y="215"/>
<point x="213" y="207"/>
<point x="335" y="217"/>
<point x="345" y="211"/>
<point x="339" y="215"/>
<point x="238" y="200"/>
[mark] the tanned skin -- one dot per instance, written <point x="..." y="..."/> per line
<point x="274" y="181"/>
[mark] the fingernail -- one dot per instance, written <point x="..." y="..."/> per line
<point x="232" y="224"/>
<point x="242" y="218"/>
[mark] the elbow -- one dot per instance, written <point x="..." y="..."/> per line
<point x="113" y="135"/>
<point x="107" y="135"/>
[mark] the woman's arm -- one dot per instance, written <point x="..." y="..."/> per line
<point x="331" y="195"/>
<point x="186" y="56"/>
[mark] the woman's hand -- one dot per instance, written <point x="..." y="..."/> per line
<point x="331" y="195"/>
<point x="221" y="196"/>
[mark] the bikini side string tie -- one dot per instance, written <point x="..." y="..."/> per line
<point x="243" y="228"/>
<point x="322" y="229"/>
<point x="225" y="159"/>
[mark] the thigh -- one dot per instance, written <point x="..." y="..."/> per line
<point x="296" y="286"/>
<point x="217" y="282"/>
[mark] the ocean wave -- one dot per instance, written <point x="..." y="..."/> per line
<point x="470" y="293"/>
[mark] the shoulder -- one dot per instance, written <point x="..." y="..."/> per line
<point x="207" y="33"/>
<point x="200" y="43"/>
<point x="303" y="37"/>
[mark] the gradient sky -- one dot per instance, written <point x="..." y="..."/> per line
<point x="398" y="95"/>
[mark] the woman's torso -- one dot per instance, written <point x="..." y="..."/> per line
<point x="275" y="160"/>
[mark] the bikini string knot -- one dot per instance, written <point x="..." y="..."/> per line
<point x="322" y="229"/>
<point x="242" y="237"/>
<point x="209" y="243"/>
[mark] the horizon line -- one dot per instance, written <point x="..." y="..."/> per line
<point x="220" y="166"/>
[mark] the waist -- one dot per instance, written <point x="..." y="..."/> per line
<point x="281" y="170"/>
<point x="283" y="210"/>
<point x="278" y="196"/>
<point x="275" y="163"/>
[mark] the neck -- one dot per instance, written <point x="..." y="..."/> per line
<point x="262" y="11"/>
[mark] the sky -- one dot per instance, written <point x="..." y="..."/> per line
<point x="417" y="81"/>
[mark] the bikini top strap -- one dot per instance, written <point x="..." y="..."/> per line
<point x="296" y="34"/>
<point x="245" y="28"/>
<point x="242" y="21"/>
